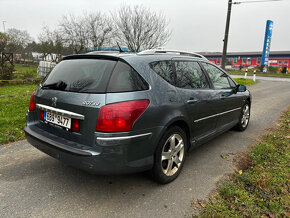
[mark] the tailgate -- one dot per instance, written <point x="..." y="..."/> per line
<point x="82" y="106"/>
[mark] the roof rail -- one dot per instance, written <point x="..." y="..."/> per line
<point x="164" y="51"/>
<point x="102" y="52"/>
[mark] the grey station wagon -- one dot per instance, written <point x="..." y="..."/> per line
<point x="117" y="113"/>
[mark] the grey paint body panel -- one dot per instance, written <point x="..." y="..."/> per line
<point x="133" y="151"/>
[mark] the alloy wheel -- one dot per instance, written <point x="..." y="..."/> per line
<point x="172" y="154"/>
<point x="245" y="116"/>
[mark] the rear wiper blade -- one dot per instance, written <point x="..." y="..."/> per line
<point x="61" y="85"/>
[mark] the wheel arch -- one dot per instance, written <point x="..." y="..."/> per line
<point x="182" y="123"/>
<point x="248" y="99"/>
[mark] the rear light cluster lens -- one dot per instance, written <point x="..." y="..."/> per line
<point x="120" y="117"/>
<point x="32" y="103"/>
<point x="75" y="125"/>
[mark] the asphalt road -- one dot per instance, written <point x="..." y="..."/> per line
<point x="34" y="184"/>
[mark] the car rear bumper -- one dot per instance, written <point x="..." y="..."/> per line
<point x="111" y="155"/>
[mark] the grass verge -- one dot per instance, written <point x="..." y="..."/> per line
<point x="260" y="74"/>
<point x="25" y="71"/>
<point x="31" y="68"/>
<point x="246" y="82"/>
<point x="261" y="186"/>
<point x="14" y="102"/>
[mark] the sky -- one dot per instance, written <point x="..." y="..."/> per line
<point x="197" y="25"/>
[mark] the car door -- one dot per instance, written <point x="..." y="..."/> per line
<point x="194" y="91"/>
<point x="228" y="101"/>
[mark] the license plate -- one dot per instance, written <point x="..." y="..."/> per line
<point x="57" y="119"/>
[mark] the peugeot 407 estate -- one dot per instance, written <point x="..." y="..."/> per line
<point x="117" y="113"/>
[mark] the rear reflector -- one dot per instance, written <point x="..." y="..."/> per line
<point x="120" y="117"/>
<point x="75" y="125"/>
<point x="41" y="114"/>
<point x="32" y="103"/>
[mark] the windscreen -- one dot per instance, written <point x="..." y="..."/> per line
<point x="80" y="75"/>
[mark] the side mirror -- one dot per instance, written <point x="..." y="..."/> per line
<point x="241" y="88"/>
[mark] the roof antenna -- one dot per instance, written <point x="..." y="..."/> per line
<point x="120" y="50"/>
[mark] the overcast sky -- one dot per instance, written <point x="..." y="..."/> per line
<point x="197" y="25"/>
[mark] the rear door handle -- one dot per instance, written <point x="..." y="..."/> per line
<point x="191" y="101"/>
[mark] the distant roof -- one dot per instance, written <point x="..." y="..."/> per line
<point x="256" y="53"/>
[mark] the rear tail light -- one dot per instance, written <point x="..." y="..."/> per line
<point x="41" y="114"/>
<point x="32" y="103"/>
<point x="120" y="117"/>
<point x="75" y="125"/>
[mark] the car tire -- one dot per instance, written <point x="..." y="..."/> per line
<point x="244" y="117"/>
<point x="170" y="155"/>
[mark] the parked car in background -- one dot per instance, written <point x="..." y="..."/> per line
<point x="118" y="113"/>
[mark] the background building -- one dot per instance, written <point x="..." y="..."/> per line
<point x="277" y="59"/>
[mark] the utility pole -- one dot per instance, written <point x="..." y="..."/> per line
<point x="4" y="25"/>
<point x="228" y="24"/>
<point x="226" y="34"/>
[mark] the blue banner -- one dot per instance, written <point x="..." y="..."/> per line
<point x="267" y="43"/>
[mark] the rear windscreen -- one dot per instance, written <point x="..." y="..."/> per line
<point x="80" y="75"/>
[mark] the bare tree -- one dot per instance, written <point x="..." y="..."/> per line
<point x="6" y="44"/>
<point x="20" y="38"/>
<point x="139" y="28"/>
<point x="99" y="28"/>
<point x="50" y="42"/>
<point x="45" y="45"/>
<point x="74" y="32"/>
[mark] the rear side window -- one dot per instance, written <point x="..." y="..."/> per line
<point x="189" y="75"/>
<point x="126" y="79"/>
<point x="164" y="69"/>
<point x="80" y="75"/>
